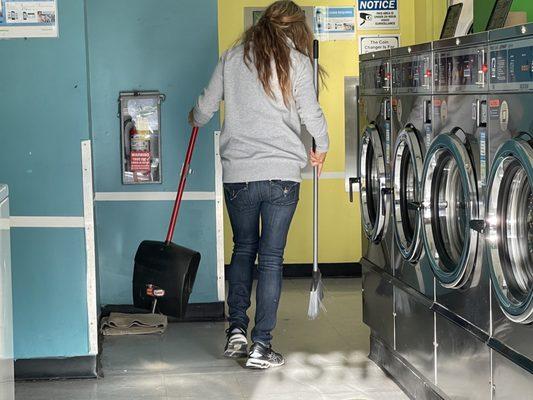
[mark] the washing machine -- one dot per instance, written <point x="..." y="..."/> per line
<point x="411" y="132"/>
<point x="375" y="191"/>
<point x="509" y="211"/>
<point x="453" y="184"/>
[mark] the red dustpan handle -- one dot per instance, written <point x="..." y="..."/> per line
<point x="181" y="188"/>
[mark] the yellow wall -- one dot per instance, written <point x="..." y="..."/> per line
<point x="340" y="224"/>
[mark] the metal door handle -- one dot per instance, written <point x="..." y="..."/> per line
<point x="387" y="110"/>
<point x="384" y="192"/>
<point x="414" y="205"/>
<point x="427" y="113"/>
<point x="478" y="225"/>
<point x="481" y="113"/>
<point x="352" y="181"/>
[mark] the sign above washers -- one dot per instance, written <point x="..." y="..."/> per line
<point x="374" y="43"/>
<point x="377" y="14"/>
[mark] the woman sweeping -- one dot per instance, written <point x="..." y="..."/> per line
<point x="267" y="86"/>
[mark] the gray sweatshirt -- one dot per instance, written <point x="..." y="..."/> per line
<point x="261" y="136"/>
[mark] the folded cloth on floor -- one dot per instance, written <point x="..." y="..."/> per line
<point x="133" y="324"/>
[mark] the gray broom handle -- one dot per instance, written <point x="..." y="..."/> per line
<point x="315" y="170"/>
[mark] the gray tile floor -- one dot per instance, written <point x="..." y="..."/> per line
<point x="326" y="359"/>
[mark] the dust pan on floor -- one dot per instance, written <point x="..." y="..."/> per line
<point x="118" y="324"/>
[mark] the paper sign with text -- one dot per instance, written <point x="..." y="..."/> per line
<point x="377" y="14"/>
<point x="372" y="43"/>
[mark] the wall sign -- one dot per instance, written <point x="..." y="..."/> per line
<point x="28" y="19"/>
<point x="372" y="43"/>
<point x="140" y="122"/>
<point x="377" y="14"/>
<point x="335" y="23"/>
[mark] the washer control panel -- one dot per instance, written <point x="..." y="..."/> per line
<point x="461" y="70"/>
<point x="511" y="65"/>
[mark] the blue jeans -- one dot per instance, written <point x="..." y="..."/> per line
<point x="271" y="205"/>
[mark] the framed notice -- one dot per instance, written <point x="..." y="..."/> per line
<point x="140" y="126"/>
<point x="377" y="14"/>
<point x="28" y="19"/>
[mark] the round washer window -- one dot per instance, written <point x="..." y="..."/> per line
<point x="373" y="184"/>
<point x="449" y="203"/>
<point x="406" y="194"/>
<point x="510" y="229"/>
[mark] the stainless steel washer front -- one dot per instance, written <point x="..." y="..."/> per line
<point x="373" y="185"/>
<point x="510" y="228"/>
<point x="450" y="202"/>
<point x="408" y="164"/>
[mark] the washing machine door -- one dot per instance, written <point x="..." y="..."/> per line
<point x="509" y="228"/>
<point x="373" y="184"/>
<point x="408" y="165"/>
<point x="449" y="204"/>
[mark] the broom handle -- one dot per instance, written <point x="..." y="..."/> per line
<point x="315" y="169"/>
<point x="181" y="188"/>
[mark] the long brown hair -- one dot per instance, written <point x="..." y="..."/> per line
<point x="269" y="40"/>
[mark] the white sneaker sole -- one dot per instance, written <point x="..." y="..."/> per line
<point x="256" y="363"/>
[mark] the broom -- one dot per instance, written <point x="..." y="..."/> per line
<point x="316" y="295"/>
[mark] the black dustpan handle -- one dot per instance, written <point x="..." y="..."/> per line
<point x="181" y="188"/>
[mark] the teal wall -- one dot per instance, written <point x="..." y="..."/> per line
<point x="170" y="46"/>
<point x="483" y="8"/>
<point x="54" y="93"/>
<point x="50" y="302"/>
<point x="44" y="116"/>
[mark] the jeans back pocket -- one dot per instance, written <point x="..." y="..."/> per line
<point x="284" y="193"/>
<point x="237" y="195"/>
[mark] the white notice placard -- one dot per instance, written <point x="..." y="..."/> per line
<point x="372" y="43"/>
<point x="377" y="14"/>
<point x="335" y="23"/>
<point x="28" y="19"/>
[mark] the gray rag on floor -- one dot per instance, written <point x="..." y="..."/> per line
<point x="133" y="324"/>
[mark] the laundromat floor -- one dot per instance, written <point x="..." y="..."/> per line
<point x="326" y="359"/>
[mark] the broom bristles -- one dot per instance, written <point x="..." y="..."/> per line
<point x="316" y="296"/>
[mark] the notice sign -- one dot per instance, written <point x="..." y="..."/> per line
<point x="141" y="161"/>
<point x="335" y="23"/>
<point x="377" y="14"/>
<point x="27" y="19"/>
<point x="372" y="43"/>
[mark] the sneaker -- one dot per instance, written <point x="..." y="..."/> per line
<point x="237" y="344"/>
<point x="263" y="357"/>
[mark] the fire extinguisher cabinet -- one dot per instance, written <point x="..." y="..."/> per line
<point x="140" y="128"/>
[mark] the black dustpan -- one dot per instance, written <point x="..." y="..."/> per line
<point x="166" y="265"/>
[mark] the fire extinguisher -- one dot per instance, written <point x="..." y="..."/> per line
<point x="140" y="160"/>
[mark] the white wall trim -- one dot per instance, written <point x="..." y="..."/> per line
<point x="46" y="222"/>
<point x="4" y="224"/>
<point x="152" y="196"/>
<point x="219" y="194"/>
<point x="88" y="213"/>
<point x="325" y="175"/>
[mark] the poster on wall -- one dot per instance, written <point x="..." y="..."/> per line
<point x="28" y="19"/>
<point x="377" y="14"/>
<point x="372" y="43"/>
<point x="335" y="23"/>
